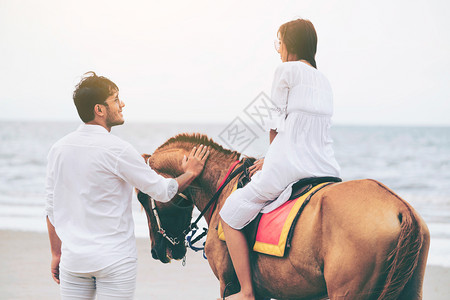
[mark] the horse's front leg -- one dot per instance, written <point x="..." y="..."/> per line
<point x="220" y="262"/>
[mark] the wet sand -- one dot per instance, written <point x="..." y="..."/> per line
<point x="25" y="273"/>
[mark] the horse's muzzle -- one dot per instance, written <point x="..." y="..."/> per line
<point x="159" y="252"/>
<point x="154" y="255"/>
<point x="178" y="251"/>
<point x="164" y="252"/>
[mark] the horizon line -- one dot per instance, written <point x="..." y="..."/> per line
<point x="338" y="124"/>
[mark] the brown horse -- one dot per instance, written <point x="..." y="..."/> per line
<point x="354" y="240"/>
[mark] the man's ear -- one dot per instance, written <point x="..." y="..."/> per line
<point x="98" y="110"/>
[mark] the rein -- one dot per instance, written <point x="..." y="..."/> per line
<point x="223" y="181"/>
<point x="193" y="226"/>
<point x="215" y="197"/>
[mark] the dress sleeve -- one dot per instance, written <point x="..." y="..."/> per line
<point x="132" y="168"/>
<point x="280" y="93"/>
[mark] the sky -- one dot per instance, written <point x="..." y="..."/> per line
<point x="204" y="61"/>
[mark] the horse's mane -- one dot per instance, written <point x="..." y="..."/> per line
<point x="187" y="141"/>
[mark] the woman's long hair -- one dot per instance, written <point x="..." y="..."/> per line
<point x="300" y="39"/>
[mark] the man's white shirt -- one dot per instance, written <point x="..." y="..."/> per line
<point x="90" y="178"/>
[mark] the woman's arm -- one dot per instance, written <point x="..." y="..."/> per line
<point x="260" y="162"/>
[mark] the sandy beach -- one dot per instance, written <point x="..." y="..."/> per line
<point x="25" y="273"/>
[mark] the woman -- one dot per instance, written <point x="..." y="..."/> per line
<point x="300" y="143"/>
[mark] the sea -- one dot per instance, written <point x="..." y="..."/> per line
<point x="412" y="161"/>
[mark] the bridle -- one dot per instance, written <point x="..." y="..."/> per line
<point x="173" y="240"/>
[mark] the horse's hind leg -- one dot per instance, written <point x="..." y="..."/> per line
<point x="350" y="275"/>
<point x="354" y="290"/>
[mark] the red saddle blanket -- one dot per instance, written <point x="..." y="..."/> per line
<point x="274" y="227"/>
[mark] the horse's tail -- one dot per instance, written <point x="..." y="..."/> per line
<point x="404" y="257"/>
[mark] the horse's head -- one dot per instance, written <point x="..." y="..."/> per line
<point x="168" y="236"/>
<point x="168" y="222"/>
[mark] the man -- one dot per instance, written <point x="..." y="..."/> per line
<point x="90" y="177"/>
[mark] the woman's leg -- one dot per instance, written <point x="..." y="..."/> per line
<point x="239" y="252"/>
<point x="240" y="208"/>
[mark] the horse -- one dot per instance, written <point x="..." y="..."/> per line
<point x="354" y="240"/>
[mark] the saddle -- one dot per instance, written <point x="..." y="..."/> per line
<point x="272" y="232"/>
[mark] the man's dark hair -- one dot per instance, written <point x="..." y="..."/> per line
<point x="92" y="90"/>
<point x="300" y="39"/>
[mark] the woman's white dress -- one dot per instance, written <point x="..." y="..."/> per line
<point x="302" y="148"/>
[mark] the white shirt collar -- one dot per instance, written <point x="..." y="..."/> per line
<point x="93" y="128"/>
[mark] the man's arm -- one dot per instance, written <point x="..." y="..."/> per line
<point x="55" y="247"/>
<point x="131" y="167"/>
<point x="55" y="242"/>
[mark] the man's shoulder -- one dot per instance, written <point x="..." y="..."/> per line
<point x="59" y="144"/>
<point x="65" y="139"/>
<point x="106" y="142"/>
<point x="113" y="144"/>
<point x="118" y="144"/>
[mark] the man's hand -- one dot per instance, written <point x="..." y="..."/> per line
<point x="192" y="166"/>
<point x="54" y="267"/>
<point x="257" y="165"/>
<point x="195" y="163"/>
<point x="55" y="247"/>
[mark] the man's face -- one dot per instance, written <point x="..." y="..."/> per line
<point x="114" y="110"/>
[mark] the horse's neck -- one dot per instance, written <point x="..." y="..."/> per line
<point x="166" y="160"/>
<point x="211" y="178"/>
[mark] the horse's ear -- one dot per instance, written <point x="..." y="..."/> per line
<point x="146" y="157"/>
